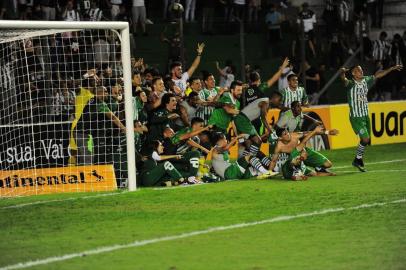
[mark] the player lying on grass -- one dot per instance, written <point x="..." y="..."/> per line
<point x="290" y="143"/>
<point x="159" y="171"/>
<point x="243" y="168"/>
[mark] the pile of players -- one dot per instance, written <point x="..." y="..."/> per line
<point x="176" y="157"/>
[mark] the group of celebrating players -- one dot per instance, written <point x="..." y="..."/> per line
<point x="175" y="158"/>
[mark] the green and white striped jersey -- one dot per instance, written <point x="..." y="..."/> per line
<point x="357" y="96"/>
<point x="205" y="112"/>
<point x="288" y="96"/>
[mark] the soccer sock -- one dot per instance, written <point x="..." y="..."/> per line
<point x="256" y="163"/>
<point x="266" y="161"/>
<point x="245" y="153"/>
<point x="254" y="149"/>
<point x="360" y="151"/>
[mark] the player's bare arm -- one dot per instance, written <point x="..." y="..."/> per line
<point x="264" y="111"/>
<point x="317" y="130"/>
<point x="317" y="122"/>
<point x="194" y="144"/>
<point x="230" y="109"/>
<point x="344" y="70"/>
<point x="234" y="141"/>
<point x="278" y="74"/>
<point x="275" y="157"/>
<point x="194" y="133"/>
<point x="385" y="72"/>
<point x="196" y="62"/>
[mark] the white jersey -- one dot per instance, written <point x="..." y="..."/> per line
<point x="252" y="110"/>
<point x="182" y="82"/>
<point x="220" y="163"/>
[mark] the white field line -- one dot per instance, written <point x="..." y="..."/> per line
<point x="177" y="187"/>
<point x="373" y="171"/>
<point x="372" y="163"/>
<point x="113" y="194"/>
<point x="191" y="234"/>
<point x="62" y="200"/>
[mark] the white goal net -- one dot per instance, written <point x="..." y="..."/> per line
<point x="65" y="108"/>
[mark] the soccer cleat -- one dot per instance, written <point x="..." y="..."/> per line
<point x="267" y="175"/>
<point x="323" y="170"/>
<point x="359" y="163"/>
<point x="167" y="184"/>
<point x="192" y="180"/>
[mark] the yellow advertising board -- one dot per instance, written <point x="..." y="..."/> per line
<point x="388" y="124"/>
<point x="339" y="116"/>
<point x="57" y="180"/>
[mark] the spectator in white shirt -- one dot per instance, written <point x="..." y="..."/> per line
<point x="179" y="78"/>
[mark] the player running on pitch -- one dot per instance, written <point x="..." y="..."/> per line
<point x="357" y="90"/>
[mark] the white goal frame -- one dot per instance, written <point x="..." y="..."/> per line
<point x="124" y="30"/>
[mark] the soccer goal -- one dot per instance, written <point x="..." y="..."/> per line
<point x="66" y="107"/>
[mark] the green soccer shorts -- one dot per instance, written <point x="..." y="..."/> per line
<point x="288" y="170"/>
<point x="162" y="172"/>
<point x="314" y="158"/>
<point x="237" y="170"/>
<point x="361" y="126"/>
<point x="244" y="125"/>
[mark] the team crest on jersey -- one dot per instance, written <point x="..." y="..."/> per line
<point x="251" y="91"/>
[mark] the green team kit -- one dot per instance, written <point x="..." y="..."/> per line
<point x="314" y="159"/>
<point x="288" y="96"/>
<point x="358" y="102"/>
<point x="221" y="119"/>
<point x="238" y="169"/>
<point x="205" y="112"/>
<point x="154" y="172"/>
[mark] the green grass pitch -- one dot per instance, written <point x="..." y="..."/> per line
<point x="372" y="237"/>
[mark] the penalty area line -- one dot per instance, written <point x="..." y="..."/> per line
<point x="140" y="243"/>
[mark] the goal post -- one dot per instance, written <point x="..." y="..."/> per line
<point x="19" y="112"/>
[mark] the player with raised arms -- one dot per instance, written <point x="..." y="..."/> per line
<point x="357" y="90"/>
